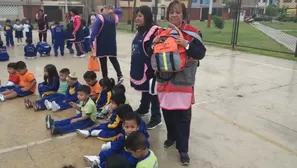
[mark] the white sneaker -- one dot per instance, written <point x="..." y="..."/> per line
<point x="95" y="133"/>
<point x="106" y="146"/>
<point x="83" y="133"/>
<point x="2" y="98"/>
<point x="55" y="106"/>
<point x="48" y="104"/>
<point x="90" y="160"/>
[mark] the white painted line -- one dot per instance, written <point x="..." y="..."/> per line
<point x="264" y="64"/>
<point x="6" y="150"/>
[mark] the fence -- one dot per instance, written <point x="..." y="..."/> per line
<point x="247" y="24"/>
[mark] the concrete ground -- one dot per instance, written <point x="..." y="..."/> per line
<point x="245" y="115"/>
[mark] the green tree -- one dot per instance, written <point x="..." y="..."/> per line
<point x="271" y="10"/>
<point x="218" y="22"/>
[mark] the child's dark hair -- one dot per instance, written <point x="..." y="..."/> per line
<point x="65" y="71"/>
<point x="135" y="141"/>
<point x="84" y="88"/>
<point x="91" y="75"/>
<point x="101" y="10"/>
<point x="12" y="65"/>
<point x="68" y="166"/>
<point x="1" y="43"/>
<point x="29" y="41"/>
<point x="56" y="22"/>
<point x="175" y="3"/>
<point x="117" y="161"/>
<point x="8" y="21"/>
<point x="123" y="109"/>
<point x="118" y="98"/>
<point x="74" y="11"/>
<point x="17" y="20"/>
<point x="107" y="83"/>
<point x="21" y="65"/>
<point x="83" y="22"/>
<point x="119" y="88"/>
<point x="132" y="116"/>
<point x="53" y="75"/>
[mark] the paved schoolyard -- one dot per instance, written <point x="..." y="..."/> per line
<point x="245" y="115"/>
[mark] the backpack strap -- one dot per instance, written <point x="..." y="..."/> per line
<point x="193" y="34"/>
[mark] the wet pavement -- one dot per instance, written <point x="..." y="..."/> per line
<point x="245" y="115"/>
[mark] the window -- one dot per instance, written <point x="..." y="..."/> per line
<point x="145" y="0"/>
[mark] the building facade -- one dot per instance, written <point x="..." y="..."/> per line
<point x="288" y="3"/>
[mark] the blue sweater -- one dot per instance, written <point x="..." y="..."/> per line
<point x="43" y="47"/>
<point x="47" y="87"/>
<point x="30" y="50"/>
<point x="3" y="54"/>
<point x="86" y="32"/>
<point x="71" y="93"/>
<point x="58" y="33"/>
<point x="8" y="30"/>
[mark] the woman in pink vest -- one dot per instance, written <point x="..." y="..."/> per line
<point x="176" y="90"/>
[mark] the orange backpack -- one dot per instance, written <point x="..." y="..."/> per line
<point x="168" y="56"/>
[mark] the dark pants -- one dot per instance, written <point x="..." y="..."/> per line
<point x="9" y="40"/>
<point x="79" y="48"/>
<point x="147" y="100"/>
<point x="115" y="63"/>
<point x="65" y="126"/>
<point x="178" y="123"/>
<point x="42" y="34"/>
<point x="58" y="45"/>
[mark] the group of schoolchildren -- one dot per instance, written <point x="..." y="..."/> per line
<point x="123" y="130"/>
<point x="43" y="48"/>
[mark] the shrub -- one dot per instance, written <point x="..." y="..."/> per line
<point x="218" y="22"/>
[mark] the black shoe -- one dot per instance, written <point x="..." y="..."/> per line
<point x="168" y="143"/>
<point x="54" y="130"/>
<point x="48" y="121"/>
<point x="153" y="124"/>
<point x="184" y="159"/>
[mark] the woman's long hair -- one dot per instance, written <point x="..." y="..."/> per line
<point x="148" y="18"/>
<point x="53" y="75"/>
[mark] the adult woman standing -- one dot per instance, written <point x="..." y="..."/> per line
<point x="141" y="71"/>
<point x="74" y="33"/>
<point x="176" y="95"/>
<point x="42" y="22"/>
<point x="104" y="35"/>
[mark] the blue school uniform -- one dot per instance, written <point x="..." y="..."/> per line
<point x="59" y="38"/>
<point x="118" y="147"/>
<point x="48" y="87"/>
<point x="8" y="29"/>
<point x="18" y="31"/>
<point x="70" y="96"/>
<point x="43" y="48"/>
<point x="52" y="32"/>
<point x="87" y="46"/>
<point x="103" y="99"/>
<point x="4" y="54"/>
<point x="110" y="129"/>
<point x="30" y="50"/>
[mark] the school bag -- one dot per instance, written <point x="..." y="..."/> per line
<point x="168" y="56"/>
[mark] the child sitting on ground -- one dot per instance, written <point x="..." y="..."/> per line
<point x="26" y="87"/>
<point x="51" y="81"/>
<point x="86" y="117"/>
<point x="119" y="88"/>
<point x="60" y="94"/>
<point x="3" y="52"/>
<point x="43" y="48"/>
<point x="13" y="78"/>
<point x="63" y="103"/>
<point x="131" y="123"/>
<point x="109" y="130"/>
<point x="30" y="50"/>
<point x="136" y="144"/>
<point x="104" y="98"/>
<point x="91" y="79"/>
